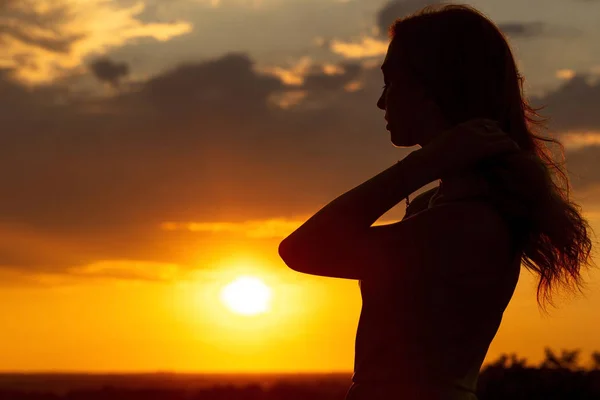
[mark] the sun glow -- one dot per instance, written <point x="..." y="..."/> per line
<point x="247" y="295"/>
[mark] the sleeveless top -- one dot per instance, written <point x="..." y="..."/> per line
<point x="433" y="336"/>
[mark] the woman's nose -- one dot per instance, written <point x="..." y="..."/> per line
<point x="381" y="103"/>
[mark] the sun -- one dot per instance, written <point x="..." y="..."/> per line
<point x="247" y="295"/>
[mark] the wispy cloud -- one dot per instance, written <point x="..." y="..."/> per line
<point x="199" y="149"/>
<point x="577" y="140"/>
<point x="565" y="74"/>
<point x="129" y="270"/>
<point x="220" y="3"/>
<point x="397" y="9"/>
<point x="366" y="47"/>
<point x="292" y="75"/>
<point x="523" y="29"/>
<point x="119" y="271"/>
<point x="256" y="229"/>
<point x="45" y="39"/>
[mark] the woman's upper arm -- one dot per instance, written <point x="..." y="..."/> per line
<point x="457" y="235"/>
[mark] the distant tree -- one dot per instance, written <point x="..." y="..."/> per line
<point x="596" y="359"/>
<point x="509" y="361"/>
<point x="551" y="360"/>
<point x="568" y="359"/>
<point x="501" y="362"/>
<point x="517" y="362"/>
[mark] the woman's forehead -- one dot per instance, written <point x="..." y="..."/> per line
<point x="392" y="58"/>
<point x="388" y="58"/>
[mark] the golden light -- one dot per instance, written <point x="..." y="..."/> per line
<point x="247" y="295"/>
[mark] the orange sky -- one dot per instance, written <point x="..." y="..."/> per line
<point x="115" y="325"/>
<point x="148" y="158"/>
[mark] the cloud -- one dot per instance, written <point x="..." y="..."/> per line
<point x="277" y="228"/>
<point x="129" y="270"/>
<point x="222" y="3"/>
<point x="523" y="29"/>
<point x="515" y="29"/>
<point x="537" y="29"/>
<point x="24" y="21"/>
<point x="583" y="167"/>
<point x="368" y="47"/>
<point x="398" y="9"/>
<point x="573" y="105"/>
<point x="305" y="76"/>
<point x="89" y="179"/>
<point x="578" y="140"/>
<point x="566" y="74"/>
<point x="45" y="39"/>
<point x="571" y="109"/>
<point x="331" y="76"/>
<point x="261" y="229"/>
<point x="293" y="75"/>
<point x="109" y="71"/>
<point x="181" y="169"/>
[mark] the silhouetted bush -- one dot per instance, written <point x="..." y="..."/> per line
<point x="559" y="376"/>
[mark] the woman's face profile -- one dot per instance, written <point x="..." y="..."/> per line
<point x="409" y="112"/>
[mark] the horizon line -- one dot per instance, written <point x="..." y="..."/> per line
<point x="166" y="372"/>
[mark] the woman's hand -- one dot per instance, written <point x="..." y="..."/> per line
<point x="466" y="144"/>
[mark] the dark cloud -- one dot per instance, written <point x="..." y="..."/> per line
<point x="583" y="168"/>
<point x="538" y="29"/>
<point x="523" y="29"/>
<point x="228" y="83"/>
<point x="400" y="8"/>
<point x="574" y="105"/>
<point x="109" y="71"/>
<point x="87" y="179"/>
<point x="50" y="40"/>
<point x="318" y="80"/>
<point x="21" y="21"/>
<point x="397" y="9"/>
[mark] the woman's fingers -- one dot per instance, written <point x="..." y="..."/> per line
<point x="500" y="147"/>
<point x="467" y="144"/>
<point x="470" y="142"/>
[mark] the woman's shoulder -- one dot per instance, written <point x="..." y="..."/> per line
<point x="472" y="225"/>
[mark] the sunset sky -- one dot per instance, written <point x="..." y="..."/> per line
<point x="153" y="152"/>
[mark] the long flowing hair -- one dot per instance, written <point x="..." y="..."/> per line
<point x="465" y="64"/>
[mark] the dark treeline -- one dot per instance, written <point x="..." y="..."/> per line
<point x="559" y="376"/>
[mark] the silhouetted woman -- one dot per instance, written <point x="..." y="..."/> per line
<point x="435" y="285"/>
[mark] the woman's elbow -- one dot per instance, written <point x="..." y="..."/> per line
<point x="317" y="260"/>
<point x="287" y="252"/>
<point x="296" y="256"/>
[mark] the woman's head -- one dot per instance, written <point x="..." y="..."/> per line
<point x="448" y="64"/>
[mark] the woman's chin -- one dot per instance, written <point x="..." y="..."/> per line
<point x="401" y="140"/>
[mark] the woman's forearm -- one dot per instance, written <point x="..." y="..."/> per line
<point x="355" y="211"/>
